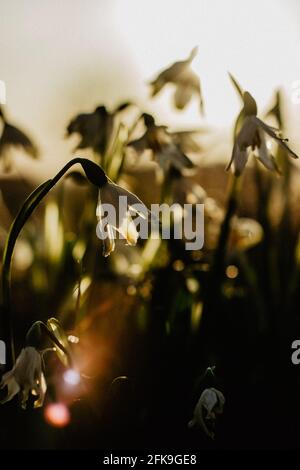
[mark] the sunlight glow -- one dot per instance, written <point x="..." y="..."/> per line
<point x="260" y="49"/>
<point x="57" y="415"/>
<point x="71" y="377"/>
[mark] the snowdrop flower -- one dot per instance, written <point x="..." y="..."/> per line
<point x="209" y="406"/>
<point x="188" y="141"/>
<point x="120" y="205"/>
<point x="95" y="129"/>
<point x="162" y="144"/>
<point x="26" y="377"/>
<point x="187" y="83"/>
<point x="252" y="136"/>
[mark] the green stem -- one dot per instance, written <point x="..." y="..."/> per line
<point x="92" y="172"/>
<point x="212" y="293"/>
<point x="251" y="279"/>
<point x="220" y="252"/>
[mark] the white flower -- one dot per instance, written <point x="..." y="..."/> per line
<point x="252" y="136"/>
<point x="26" y="377"/>
<point x="209" y="406"/>
<point x="124" y="204"/>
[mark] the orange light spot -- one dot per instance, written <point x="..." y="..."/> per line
<point x="57" y="415"/>
<point x="232" y="271"/>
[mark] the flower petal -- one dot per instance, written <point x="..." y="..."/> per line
<point x="270" y="131"/>
<point x="183" y="96"/>
<point x="238" y="160"/>
<point x="128" y="230"/>
<point x="12" y="387"/>
<point x="171" y="154"/>
<point x="111" y="192"/>
<point x="265" y="157"/>
<point x="250" y="106"/>
<point x="108" y="238"/>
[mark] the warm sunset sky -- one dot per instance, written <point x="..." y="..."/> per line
<point x="63" y="56"/>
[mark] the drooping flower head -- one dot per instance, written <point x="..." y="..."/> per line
<point x="210" y="405"/>
<point x="95" y="129"/>
<point x="26" y="377"/>
<point x="250" y="136"/>
<point x="164" y="146"/>
<point x="185" y="80"/>
<point x="121" y="205"/>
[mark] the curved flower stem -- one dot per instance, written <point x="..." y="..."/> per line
<point x="93" y="172"/>
<point x="47" y="332"/>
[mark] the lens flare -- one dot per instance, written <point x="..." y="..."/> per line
<point x="57" y="415"/>
<point x="71" y="377"/>
<point x="73" y="339"/>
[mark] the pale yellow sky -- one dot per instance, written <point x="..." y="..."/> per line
<point x="59" y="57"/>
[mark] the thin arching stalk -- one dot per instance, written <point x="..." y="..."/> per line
<point x="93" y="172"/>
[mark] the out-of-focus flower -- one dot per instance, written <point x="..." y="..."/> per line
<point x="187" y="83"/>
<point x="11" y="136"/>
<point x="186" y="191"/>
<point x="95" y="129"/>
<point x="252" y="136"/>
<point x="123" y="223"/>
<point x="162" y="144"/>
<point x="26" y="377"/>
<point x="210" y="405"/>
<point x="23" y="257"/>
<point x="187" y="140"/>
<point x="245" y="233"/>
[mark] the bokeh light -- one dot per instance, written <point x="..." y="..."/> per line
<point x="57" y="415"/>
<point x="71" y="377"/>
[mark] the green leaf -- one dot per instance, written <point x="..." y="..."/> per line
<point x="237" y="86"/>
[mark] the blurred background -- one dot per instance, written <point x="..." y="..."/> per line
<point x="59" y="57"/>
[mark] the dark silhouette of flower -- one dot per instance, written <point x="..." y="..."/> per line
<point x="95" y="129"/>
<point x="187" y="83"/>
<point x="12" y="136"/>
<point x="164" y="146"/>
